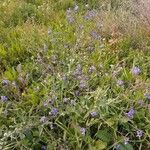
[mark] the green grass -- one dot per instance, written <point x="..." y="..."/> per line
<point x="59" y="81"/>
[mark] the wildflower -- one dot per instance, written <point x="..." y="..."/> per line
<point x="120" y="82"/>
<point x="135" y="70"/>
<point x="79" y="67"/>
<point x="43" y="119"/>
<point x="92" y="69"/>
<point x="89" y="15"/>
<point x="126" y="140"/>
<point x="95" y="35"/>
<point x="83" y="131"/>
<point x="78" y="70"/>
<point x="69" y="16"/>
<point x="130" y="113"/>
<point x="54" y="111"/>
<point x="43" y="147"/>
<point x="4" y="98"/>
<point x="147" y="96"/>
<point x="64" y="77"/>
<point x="93" y="114"/>
<point x="139" y="133"/>
<point x="83" y="84"/>
<point x="141" y="102"/>
<point x="5" y="82"/>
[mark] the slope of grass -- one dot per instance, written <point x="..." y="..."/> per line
<point x="74" y="76"/>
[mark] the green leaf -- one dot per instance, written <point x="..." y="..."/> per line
<point x="99" y="145"/>
<point x="104" y="135"/>
<point x="125" y="146"/>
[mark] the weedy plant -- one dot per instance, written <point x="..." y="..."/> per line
<point x="74" y="75"/>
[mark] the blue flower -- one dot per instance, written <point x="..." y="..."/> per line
<point x="5" y="82"/>
<point x="92" y="69"/>
<point x="141" y="102"/>
<point x="95" y="35"/>
<point x="135" y="70"/>
<point x="43" y="147"/>
<point x="139" y="133"/>
<point x="130" y="113"/>
<point x="93" y="114"/>
<point x="69" y="16"/>
<point x="83" y="84"/>
<point x="147" y="96"/>
<point x="120" y="82"/>
<point x="43" y="119"/>
<point x="83" y="131"/>
<point x="54" y="111"/>
<point x="4" y="98"/>
<point x="90" y="14"/>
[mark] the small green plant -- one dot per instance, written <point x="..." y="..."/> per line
<point x="74" y="75"/>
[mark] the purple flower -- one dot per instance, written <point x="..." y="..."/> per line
<point x="78" y="70"/>
<point x="43" y="147"/>
<point x="139" y="133"/>
<point x="69" y="16"/>
<point x="135" y="70"/>
<point x="83" y="84"/>
<point x="141" y="102"/>
<point x="54" y="111"/>
<point x="89" y="15"/>
<point x="147" y="96"/>
<point x="5" y="82"/>
<point x="83" y="131"/>
<point x="64" y="77"/>
<point x="130" y="113"/>
<point x="126" y="140"/>
<point x="4" y="98"/>
<point x="79" y="67"/>
<point x="120" y="82"/>
<point x="43" y="119"/>
<point x="93" y="114"/>
<point x="92" y="69"/>
<point x="95" y="35"/>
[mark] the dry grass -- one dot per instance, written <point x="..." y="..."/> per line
<point x="129" y="19"/>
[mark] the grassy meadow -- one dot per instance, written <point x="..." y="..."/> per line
<point x="74" y="75"/>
